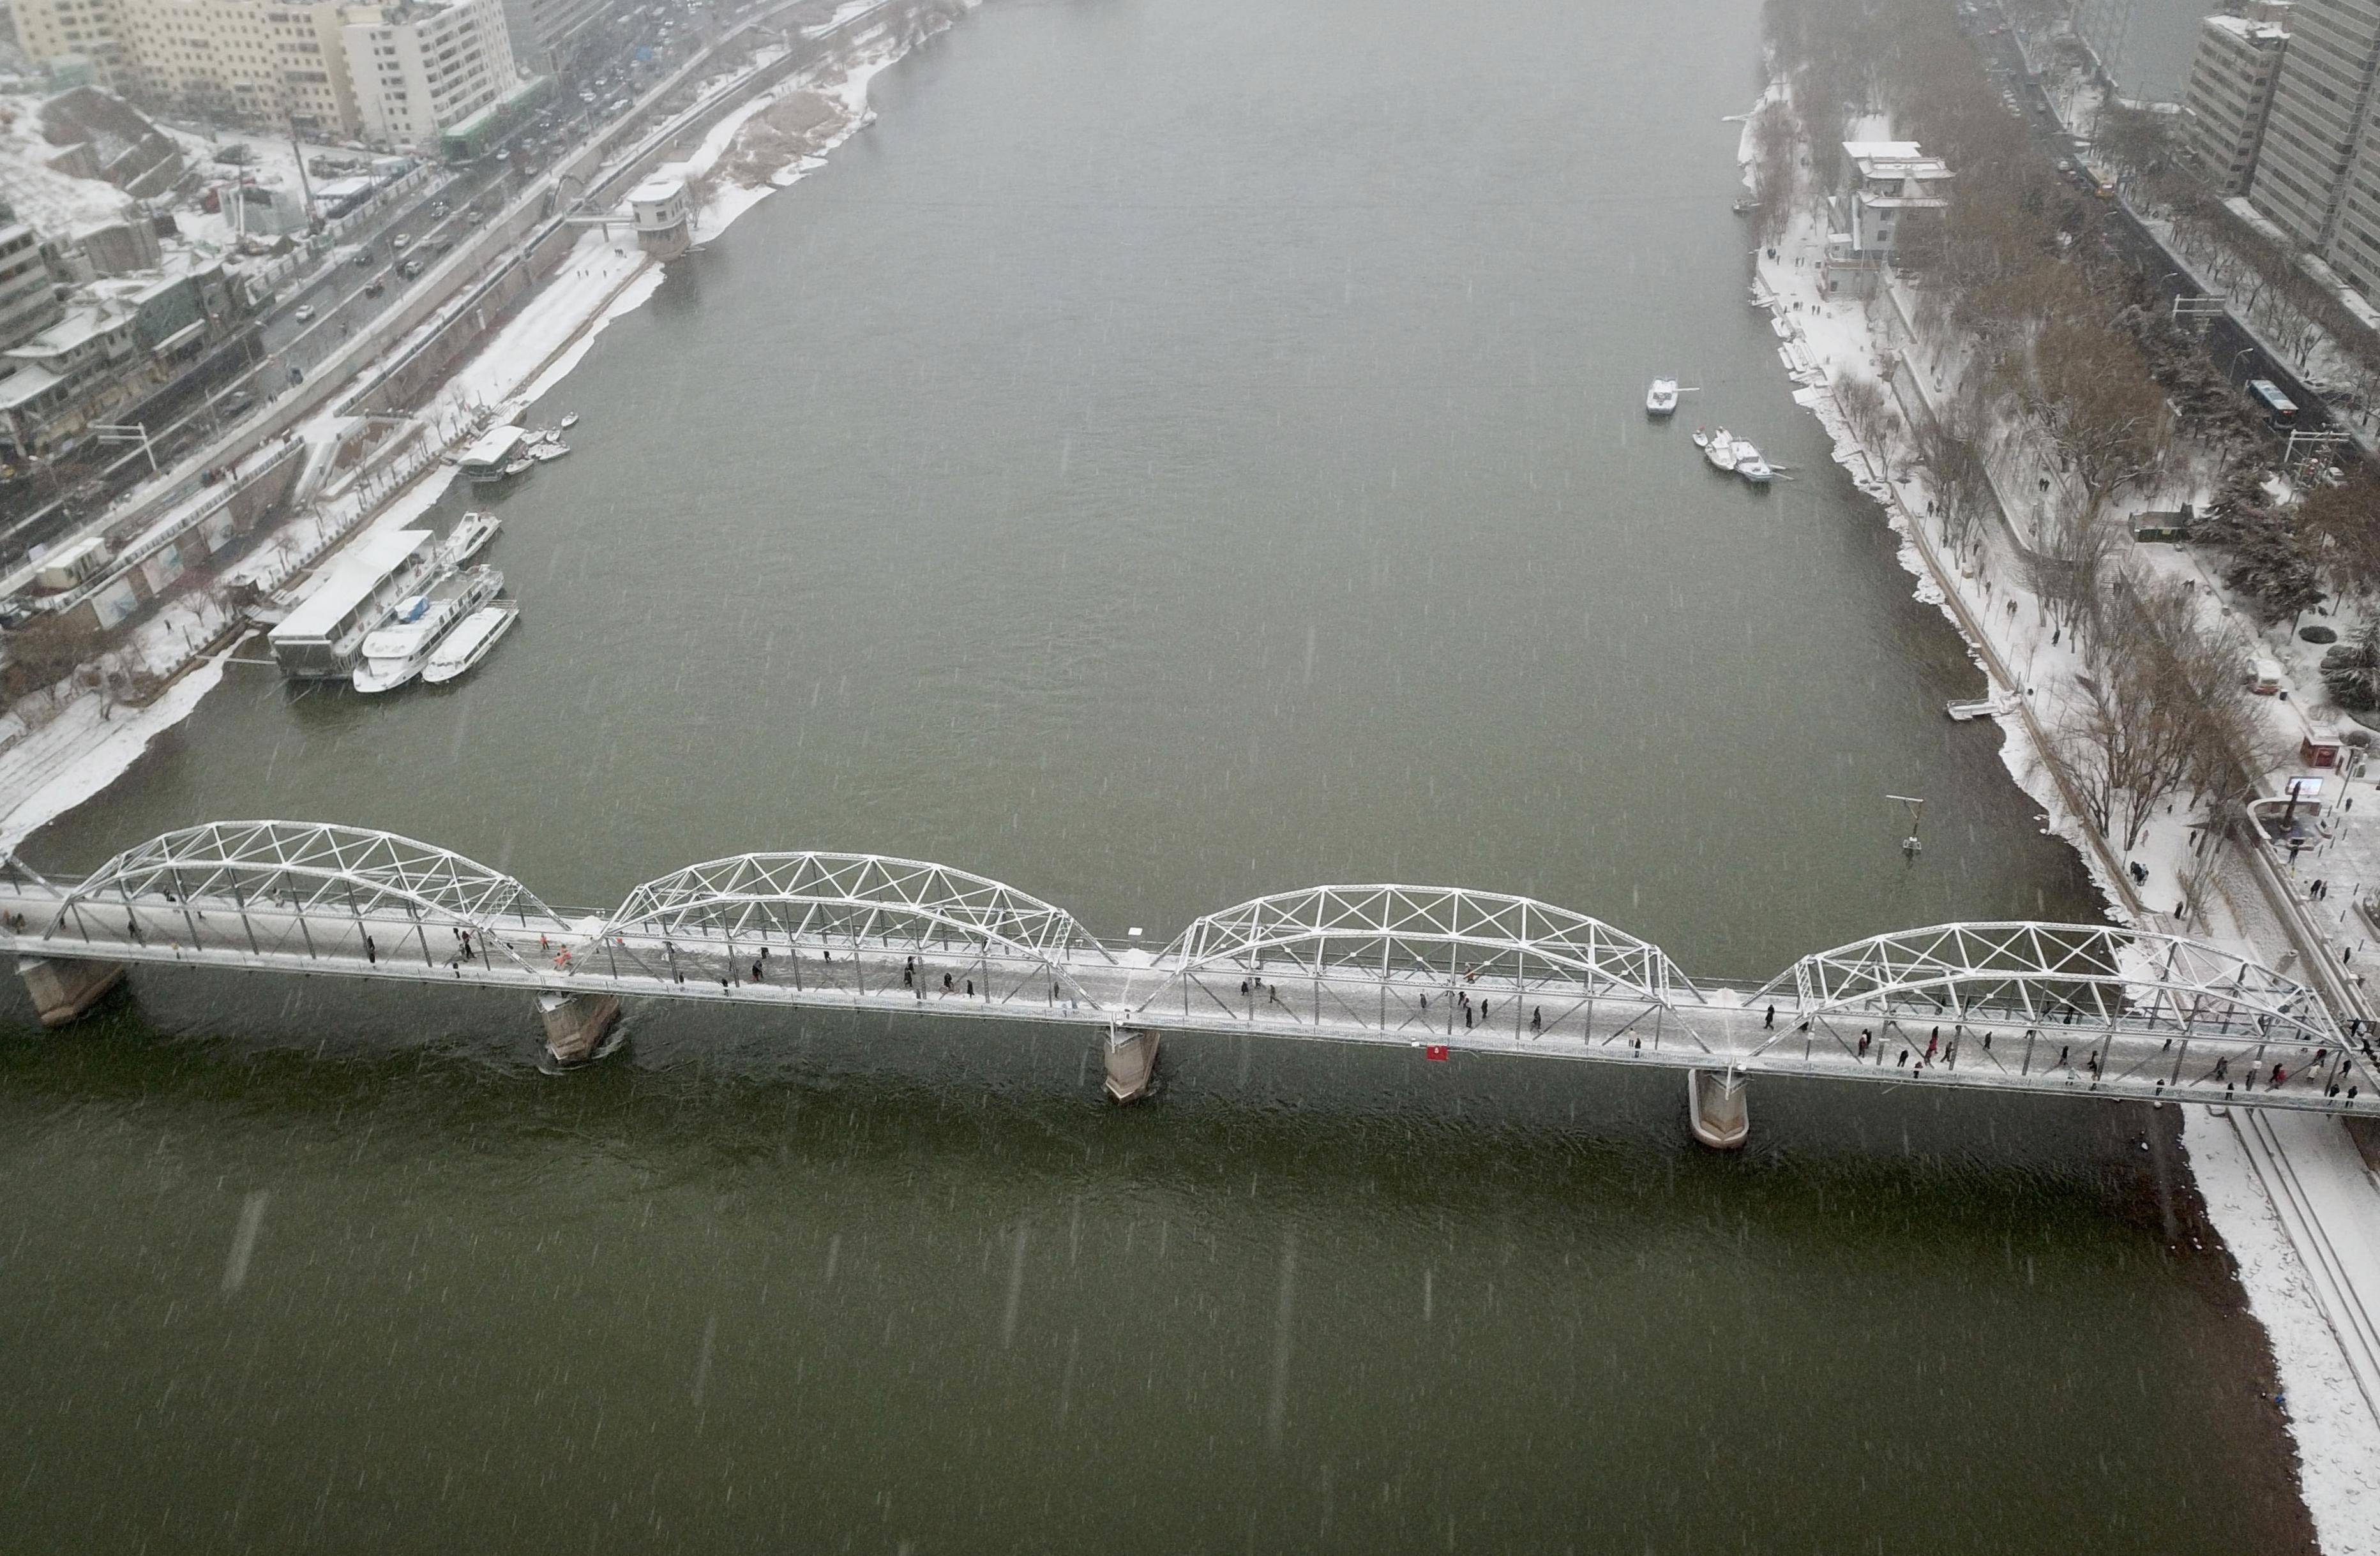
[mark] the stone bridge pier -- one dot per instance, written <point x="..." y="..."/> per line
<point x="576" y="1026"/>
<point x="65" y="987"/>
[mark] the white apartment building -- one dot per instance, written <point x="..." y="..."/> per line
<point x="2230" y="93"/>
<point x="2355" y="241"/>
<point x="255" y="61"/>
<point x="420" y="68"/>
<point x="2321" y="99"/>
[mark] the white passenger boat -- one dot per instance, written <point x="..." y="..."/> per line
<point x="396" y="654"/>
<point x="1719" y="449"/>
<point x="470" y="642"/>
<point x="469" y="536"/>
<point x="1662" y="398"/>
<point x="545" y="452"/>
<point x="1750" y="466"/>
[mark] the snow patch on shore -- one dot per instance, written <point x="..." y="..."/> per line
<point x="2339" y="1449"/>
<point x="103" y="747"/>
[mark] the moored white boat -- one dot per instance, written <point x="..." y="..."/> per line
<point x="1662" y="398"/>
<point x="545" y="452"/>
<point x="473" y="636"/>
<point x="1721" y="450"/>
<point x="470" y="537"/>
<point x="1749" y="464"/>
<point x="569" y="419"/>
<point x="394" y="653"/>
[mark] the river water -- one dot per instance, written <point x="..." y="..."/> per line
<point x="1180" y="452"/>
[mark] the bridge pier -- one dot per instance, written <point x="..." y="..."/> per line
<point x="1717" y="1108"/>
<point x="65" y="987"/>
<point x="576" y="1025"/>
<point x="1131" y="1058"/>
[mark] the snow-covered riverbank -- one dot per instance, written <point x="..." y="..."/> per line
<point x="2317" y="1191"/>
<point x="89" y="744"/>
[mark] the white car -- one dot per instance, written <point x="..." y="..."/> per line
<point x="304" y="311"/>
<point x="402" y="242"/>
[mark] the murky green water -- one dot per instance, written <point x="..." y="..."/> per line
<point x="1180" y="452"/>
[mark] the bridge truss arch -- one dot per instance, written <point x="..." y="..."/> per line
<point x="291" y="884"/>
<point x="2040" y="976"/>
<point x="889" y="919"/>
<point x="1416" y="960"/>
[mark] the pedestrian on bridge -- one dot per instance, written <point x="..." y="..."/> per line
<point x="371" y="952"/>
<point x="1863" y="1047"/>
<point x="1769" y="1023"/>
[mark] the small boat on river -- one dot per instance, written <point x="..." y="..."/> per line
<point x="1718" y="447"/>
<point x="545" y="452"/>
<point x="1749" y="464"/>
<point x="1662" y="398"/>
<point x="473" y="636"/>
<point x="569" y="419"/>
<point x="470" y="537"/>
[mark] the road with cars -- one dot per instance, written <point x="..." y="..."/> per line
<point x="319" y="310"/>
<point x="2226" y="341"/>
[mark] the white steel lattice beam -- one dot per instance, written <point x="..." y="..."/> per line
<point x="305" y="868"/>
<point x="861" y="898"/>
<point x="1395" y="935"/>
<point x="2045" y="973"/>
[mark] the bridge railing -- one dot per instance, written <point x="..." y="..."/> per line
<point x="860" y="964"/>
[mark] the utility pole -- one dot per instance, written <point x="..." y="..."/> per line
<point x="305" y="186"/>
<point x="1910" y="846"/>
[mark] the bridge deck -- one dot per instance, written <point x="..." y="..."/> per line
<point x="2221" y="1058"/>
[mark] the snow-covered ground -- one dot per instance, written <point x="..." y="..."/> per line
<point x="55" y="204"/>
<point x="2291" y="1199"/>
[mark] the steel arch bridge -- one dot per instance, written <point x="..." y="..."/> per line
<point x="716" y="916"/>
<point x="1376" y="954"/>
<point x="282" y="878"/>
<point x="2007" y="1006"/>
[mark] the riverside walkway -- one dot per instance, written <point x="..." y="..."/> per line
<point x="2011" y="1007"/>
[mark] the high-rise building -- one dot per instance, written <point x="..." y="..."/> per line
<point x="28" y="283"/>
<point x="2230" y="93"/>
<point x="53" y="30"/>
<point x="2355" y="242"/>
<point x="255" y="61"/>
<point x="418" y="68"/>
<point x="2321" y="98"/>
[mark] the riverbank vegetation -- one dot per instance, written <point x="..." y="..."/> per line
<point x="2062" y="393"/>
